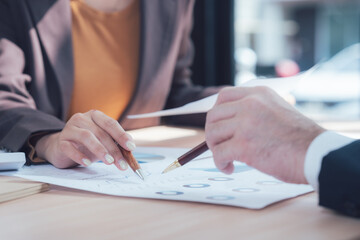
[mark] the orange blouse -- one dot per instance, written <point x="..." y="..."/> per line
<point x="106" y="56"/>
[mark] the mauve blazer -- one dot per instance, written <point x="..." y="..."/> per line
<point x="36" y="66"/>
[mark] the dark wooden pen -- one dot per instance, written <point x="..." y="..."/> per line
<point x="187" y="157"/>
<point x="130" y="159"/>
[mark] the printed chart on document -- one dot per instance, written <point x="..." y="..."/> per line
<point x="197" y="181"/>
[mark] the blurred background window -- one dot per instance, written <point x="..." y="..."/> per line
<point x="280" y="38"/>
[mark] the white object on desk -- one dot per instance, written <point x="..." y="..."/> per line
<point x="197" y="181"/>
<point x="279" y="85"/>
<point x="200" y="106"/>
<point x="11" y="161"/>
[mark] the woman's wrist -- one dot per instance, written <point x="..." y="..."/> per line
<point x="43" y="144"/>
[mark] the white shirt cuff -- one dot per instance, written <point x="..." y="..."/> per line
<point x="318" y="149"/>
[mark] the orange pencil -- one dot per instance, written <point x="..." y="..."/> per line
<point x="130" y="159"/>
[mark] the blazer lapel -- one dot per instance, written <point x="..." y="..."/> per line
<point x="157" y="20"/>
<point x="53" y="23"/>
<point x="158" y="17"/>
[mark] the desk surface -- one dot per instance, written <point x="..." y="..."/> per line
<point x="63" y="213"/>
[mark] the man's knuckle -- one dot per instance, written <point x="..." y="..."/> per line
<point x="210" y="116"/>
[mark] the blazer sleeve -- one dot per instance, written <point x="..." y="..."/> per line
<point x="19" y="117"/>
<point x="339" y="180"/>
<point x="183" y="90"/>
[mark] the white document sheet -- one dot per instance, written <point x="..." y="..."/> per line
<point x="200" y="106"/>
<point x="279" y="85"/>
<point x="197" y="181"/>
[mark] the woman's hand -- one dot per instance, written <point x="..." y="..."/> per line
<point x="86" y="138"/>
<point x="256" y="126"/>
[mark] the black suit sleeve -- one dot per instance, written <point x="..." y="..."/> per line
<point x="339" y="180"/>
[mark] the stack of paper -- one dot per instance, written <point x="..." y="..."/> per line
<point x="13" y="188"/>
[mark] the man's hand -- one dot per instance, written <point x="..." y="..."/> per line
<point x="86" y="137"/>
<point x="256" y="126"/>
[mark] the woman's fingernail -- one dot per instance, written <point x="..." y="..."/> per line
<point x="86" y="162"/>
<point x="109" y="159"/>
<point x="123" y="164"/>
<point x="130" y="145"/>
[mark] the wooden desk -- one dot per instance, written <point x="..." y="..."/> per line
<point x="63" y="213"/>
